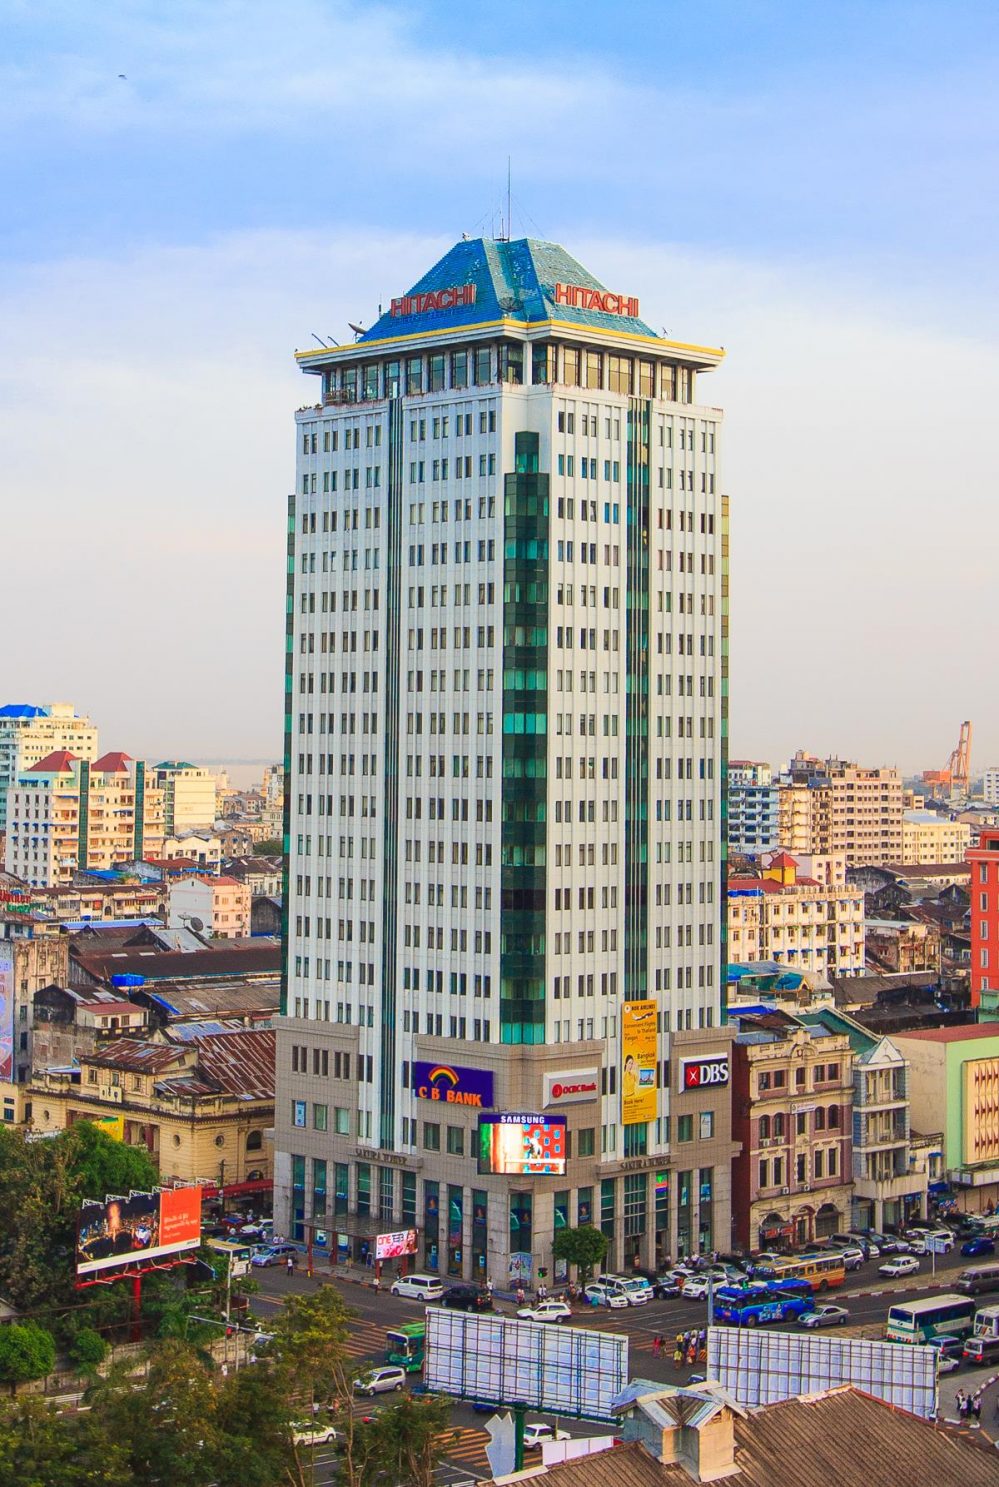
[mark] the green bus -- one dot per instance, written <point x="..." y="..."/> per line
<point x="407" y="1346"/>
<point x="937" y="1316"/>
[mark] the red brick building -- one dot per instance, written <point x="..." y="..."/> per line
<point x="984" y="890"/>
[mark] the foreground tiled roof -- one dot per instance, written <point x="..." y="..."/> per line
<point x="169" y="965"/>
<point x="60" y="761"/>
<point x="840" y="1438"/>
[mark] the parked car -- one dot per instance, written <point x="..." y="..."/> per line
<point x="851" y="1255"/>
<point x="418" y="1287"/>
<point x="950" y="1352"/>
<point x="546" y="1311"/>
<point x="866" y="1242"/>
<point x="890" y="1244"/>
<point x="380" y="1381"/>
<point x="262" y="1229"/>
<point x="979" y="1350"/>
<point x="536" y="1434"/>
<point x="899" y="1265"/>
<point x="825" y="1316"/>
<point x="313" y="1435"/>
<point x="598" y="1294"/>
<point x="979" y="1246"/>
<point x="636" y="1290"/>
<point x="272" y="1254"/>
<point x="467" y="1298"/>
<point x="696" y="1288"/>
<point x="666" y="1286"/>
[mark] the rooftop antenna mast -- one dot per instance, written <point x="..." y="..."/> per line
<point x="509" y="200"/>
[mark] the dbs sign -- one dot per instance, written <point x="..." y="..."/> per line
<point x="704" y="1073"/>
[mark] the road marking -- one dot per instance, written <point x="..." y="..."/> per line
<point x="467" y="1447"/>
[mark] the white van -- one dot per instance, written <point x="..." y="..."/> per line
<point x="636" y="1289"/>
<point x="419" y="1287"/>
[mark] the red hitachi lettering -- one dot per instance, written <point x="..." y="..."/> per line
<point x="450" y="298"/>
<point x="582" y="297"/>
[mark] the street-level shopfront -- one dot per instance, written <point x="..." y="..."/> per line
<point x="503" y="1233"/>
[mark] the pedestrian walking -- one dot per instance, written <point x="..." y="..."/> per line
<point x="489" y="1286"/>
<point x="657" y="1346"/>
<point x="290" y="1265"/>
<point x="961" y="1400"/>
<point x="376" y="1285"/>
<point x="520" y="1295"/>
<point x="976" y="1406"/>
<point x="692" y="1350"/>
<point x="678" y="1353"/>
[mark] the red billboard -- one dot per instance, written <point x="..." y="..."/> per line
<point x="122" y="1232"/>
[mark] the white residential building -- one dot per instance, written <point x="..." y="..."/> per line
<point x="505" y="742"/>
<point x="29" y="733"/>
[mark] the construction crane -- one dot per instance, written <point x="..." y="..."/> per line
<point x="952" y="783"/>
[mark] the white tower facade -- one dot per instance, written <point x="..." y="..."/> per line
<point x="505" y="765"/>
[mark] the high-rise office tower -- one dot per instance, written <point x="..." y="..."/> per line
<point x="505" y="773"/>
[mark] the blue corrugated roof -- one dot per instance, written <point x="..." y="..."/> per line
<point x="515" y="280"/>
<point x="23" y="710"/>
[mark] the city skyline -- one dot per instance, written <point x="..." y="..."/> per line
<point x="174" y="244"/>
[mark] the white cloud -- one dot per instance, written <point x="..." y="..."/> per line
<point x="149" y="446"/>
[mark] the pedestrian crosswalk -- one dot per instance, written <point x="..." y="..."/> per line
<point x="466" y="1447"/>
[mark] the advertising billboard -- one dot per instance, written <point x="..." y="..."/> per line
<point x="6" y="1012"/>
<point x="522" y="1145"/>
<point x="981" y="1101"/>
<point x="758" y="1368"/>
<point x="391" y="1246"/>
<point x="144" y="1226"/>
<point x="453" y="1084"/>
<point x="639" y="1046"/>
<point x="499" y="1360"/>
<point x="711" y="1071"/>
<point x="571" y="1089"/>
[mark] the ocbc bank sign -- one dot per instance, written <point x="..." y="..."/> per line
<point x="572" y="1088"/>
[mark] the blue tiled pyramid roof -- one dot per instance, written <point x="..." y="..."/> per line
<point x="512" y="279"/>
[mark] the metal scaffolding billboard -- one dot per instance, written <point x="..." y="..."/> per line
<point x="765" y="1367"/>
<point x="503" y="1361"/>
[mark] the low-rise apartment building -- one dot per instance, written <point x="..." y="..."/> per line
<point x="219" y="907"/>
<point x="928" y="837"/>
<point x="752" y="807"/>
<point x="783" y="916"/>
<point x="954" y="1087"/>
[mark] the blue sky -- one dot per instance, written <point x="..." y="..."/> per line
<point x="811" y="185"/>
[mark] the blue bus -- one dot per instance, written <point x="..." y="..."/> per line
<point x="773" y="1301"/>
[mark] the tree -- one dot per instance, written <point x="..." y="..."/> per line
<point x="583" y="1247"/>
<point x="27" y="1351"/>
<point x="88" y="1349"/>
<point x="273" y="847"/>
<point x="43" y="1447"/>
<point x="310" y="1345"/>
<point x="410" y="1439"/>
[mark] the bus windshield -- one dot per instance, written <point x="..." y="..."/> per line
<point x="406" y="1346"/>
<point x="938" y="1316"/>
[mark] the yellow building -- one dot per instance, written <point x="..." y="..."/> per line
<point x="788" y="917"/>
<point x="928" y="838"/>
<point x="201" y="1108"/>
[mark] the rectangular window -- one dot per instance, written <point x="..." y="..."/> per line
<point x="685" y="1128"/>
<point x="319" y="1117"/>
<point x="431" y="1135"/>
<point x="456" y="1141"/>
<point x="298" y="1112"/>
<point x="363" y="1190"/>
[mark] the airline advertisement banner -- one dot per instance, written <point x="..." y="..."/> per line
<point x="639" y="1046"/>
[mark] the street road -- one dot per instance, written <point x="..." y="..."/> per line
<point x="466" y="1457"/>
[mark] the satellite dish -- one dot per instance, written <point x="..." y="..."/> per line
<point x="196" y="924"/>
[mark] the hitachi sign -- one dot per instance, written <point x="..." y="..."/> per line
<point x="435" y="299"/>
<point x="579" y="297"/>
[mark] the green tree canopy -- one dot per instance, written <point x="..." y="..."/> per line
<point x="27" y="1351"/>
<point x="583" y="1247"/>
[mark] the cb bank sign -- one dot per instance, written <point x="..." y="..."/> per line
<point x="453" y="1085"/>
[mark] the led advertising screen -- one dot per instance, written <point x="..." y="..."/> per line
<point x="522" y="1145"/>
<point x="392" y="1246"/>
<point x="144" y="1226"/>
